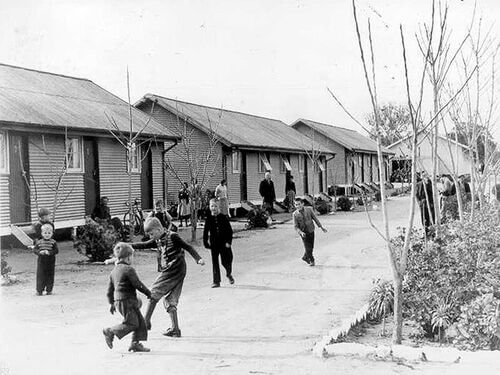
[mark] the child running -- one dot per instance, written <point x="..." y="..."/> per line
<point x="122" y="296"/>
<point x="169" y="283"/>
<point x="46" y="249"/>
<point x="304" y="219"/>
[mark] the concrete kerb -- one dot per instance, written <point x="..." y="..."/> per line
<point x="329" y="346"/>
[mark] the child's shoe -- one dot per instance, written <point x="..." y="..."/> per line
<point x="215" y="285"/>
<point x="39" y="293"/>
<point x="136" y="346"/>
<point x="231" y="279"/>
<point x="108" y="336"/>
<point x="48" y="293"/>
<point x="172" y="332"/>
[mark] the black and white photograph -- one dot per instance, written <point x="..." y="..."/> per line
<point x="249" y="187"/>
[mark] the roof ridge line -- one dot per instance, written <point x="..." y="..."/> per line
<point x="210" y="107"/>
<point x="44" y="72"/>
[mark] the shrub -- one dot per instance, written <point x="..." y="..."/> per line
<point x="5" y="268"/>
<point x="447" y="274"/>
<point x="321" y="206"/>
<point x="96" y="240"/>
<point x="257" y="218"/>
<point x="478" y="324"/>
<point x="344" y="203"/>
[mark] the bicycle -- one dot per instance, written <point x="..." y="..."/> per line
<point x="134" y="218"/>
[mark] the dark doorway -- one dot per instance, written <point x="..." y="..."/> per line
<point x="91" y="174"/>
<point x="146" y="178"/>
<point x="320" y="177"/>
<point x="243" y="177"/>
<point x="306" y="180"/>
<point x="19" y="181"/>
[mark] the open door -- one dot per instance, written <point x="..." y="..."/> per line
<point x="146" y="178"/>
<point x="243" y="177"/>
<point x="91" y="174"/>
<point x="19" y="181"/>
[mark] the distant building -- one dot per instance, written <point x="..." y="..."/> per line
<point x="355" y="155"/>
<point x="248" y="146"/>
<point x="56" y="130"/>
<point x="451" y="156"/>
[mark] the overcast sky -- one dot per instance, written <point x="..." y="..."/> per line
<point x="269" y="58"/>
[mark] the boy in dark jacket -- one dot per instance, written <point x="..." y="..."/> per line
<point x="218" y="236"/>
<point x="46" y="249"/>
<point x="122" y="296"/>
<point x="168" y="284"/>
<point x="43" y="218"/>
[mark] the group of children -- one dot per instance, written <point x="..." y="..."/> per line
<point x="124" y="281"/>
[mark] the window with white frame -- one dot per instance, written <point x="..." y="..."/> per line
<point x="285" y="164"/>
<point x="74" y="154"/>
<point x="301" y="163"/>
<point x="4" y="153"/>
<point x="235" y="157"/>
<point x="264" y="164"/>
<point x="134" y="161"/>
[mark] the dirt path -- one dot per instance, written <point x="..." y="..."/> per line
<point x="266" y="323"/>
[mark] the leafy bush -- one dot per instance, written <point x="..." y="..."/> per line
<point x="96" y="240"/>
<point x="5" y="268"/>
<point x="344" y="203"/>
<point x="257" y="218"/>
<point x="449" y="275"/>
<point x="321" y="206"/>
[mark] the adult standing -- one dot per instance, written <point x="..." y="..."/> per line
<point x="221" y="195"/>
<point x="218" y="236"/>
<point x="101" y="210"/>
<point x="449" y="204"/>
<point x="266" y="190"/>
<point x="184" y="210"/>
<point x="290" y="192"/>
<point x="426" y="202"/>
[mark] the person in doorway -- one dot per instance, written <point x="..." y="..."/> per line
<point x="168" y="284"/>
<point x="122" y="296"/>
<point x="184" y="210"/>
<point x="101" y="210"/>
<point x="303" y="220"/>
<point x="266" y="190"/>
<point x="290" y="192"/>
<point x="218" y="236"/>
<point x="426" y="202"/>
<point x="221" y="195"/>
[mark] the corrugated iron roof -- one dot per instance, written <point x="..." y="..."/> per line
<point x="32" y="97"/>
<point x="347" y="138"/>
<point x="239" y="129"/>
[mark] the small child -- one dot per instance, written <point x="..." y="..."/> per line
<point x="43" y="218"/>
<point x="122" y="296"/>
<point x="46" y="249"/>
<point x="168" y="284"/>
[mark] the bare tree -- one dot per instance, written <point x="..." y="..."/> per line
<point x="198" y="163"/>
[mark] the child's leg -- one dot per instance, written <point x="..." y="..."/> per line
<point x="141" y="333"/>
<point x="130" y="321"/>
<point x="227" y="260"/>
<point x="51" y="265"/>
<point x="215" y="266"/>
<point x="149" y="312"/>
<point x="40" y="275"/>
<point x="170" y="303"/>
<point x="309" y="246"/>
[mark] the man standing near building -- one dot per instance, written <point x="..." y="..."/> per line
<point x="266" y="190"/>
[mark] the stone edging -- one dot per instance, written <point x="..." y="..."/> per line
<point x="339" y="331"/>
<point x="328" y="347"/>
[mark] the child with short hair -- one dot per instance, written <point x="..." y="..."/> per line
<point x="304" y="219"/>
<point x="43" y="218"/>
<point x="169" y="283"/>
<point x="46" y="249"/>
<point x="122" y="296"/>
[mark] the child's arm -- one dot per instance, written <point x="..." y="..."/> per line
<point x="205" y="233"/>
<point x="111" y="291"/>
<point x="229" y="233"/>
<point x="316" y="220"/>
<point x="138" y="284"/>
<point x="180" y="242"/>
<point x="296" y="225"/>
<point x="158" y="260"/>
<point x="55" y="249"/>
<point x="36" y="248"/>
<point x="151" y="244"/>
